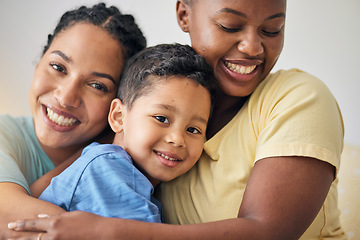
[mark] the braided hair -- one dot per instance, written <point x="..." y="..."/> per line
<point x="121" y="27"/>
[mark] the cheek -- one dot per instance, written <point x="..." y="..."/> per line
<point x="98" y="110"/>
<point x="203" y="42"/>
<point x="43" y="80"/>
<point x="32" y="92"/>
<point x="209" y="52"/>
<point x="212" y="47"/>
<point x="275" y="48"/>
<point x="136" y="130"/>
<point x="196" y="150"/>
<point x="36" y="84"/>
<point x="38" y="87"/>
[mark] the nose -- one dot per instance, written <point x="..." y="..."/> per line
<point x="250" y="43"/>
<point x="176" y="138"/>
<point x="68" y="95"/>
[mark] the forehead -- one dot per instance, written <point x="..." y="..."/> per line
<point x="249" y="7"/>
<point x="90" y="47"/>
<point x="181" y="95"/>
<point x="173" y="85"/>
<point x="158" y="83"/>
<point x="85" y="33"/>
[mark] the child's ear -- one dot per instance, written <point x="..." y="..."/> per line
<point x="116" y="115"/>
<point x="182" y="15"/>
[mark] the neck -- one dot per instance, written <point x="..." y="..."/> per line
<point x="153" y="181"/>
<point x="60" y="155"/>
<point x="225" y="108"/>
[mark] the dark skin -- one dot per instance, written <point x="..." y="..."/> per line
<point x="257" y="219"/>
<point x="283" y="194"/>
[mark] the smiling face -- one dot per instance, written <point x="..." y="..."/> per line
<point x="240" y="39"/>
<point x="164" y="130"/>
<point x="73" y="86"/>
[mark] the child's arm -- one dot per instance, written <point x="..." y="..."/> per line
<point x="39" y="185"/>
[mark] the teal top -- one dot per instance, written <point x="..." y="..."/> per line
<point x="22" y="159"/>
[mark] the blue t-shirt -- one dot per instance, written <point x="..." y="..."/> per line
<point x="104" y="181"/>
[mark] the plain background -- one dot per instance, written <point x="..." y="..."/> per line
<point x="322" y="37"/>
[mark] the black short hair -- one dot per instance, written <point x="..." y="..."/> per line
<point x="164" y="60"/>
<point x="121" y="27"/>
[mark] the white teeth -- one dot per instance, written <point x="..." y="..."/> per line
<point x="167" y="157"/>
<point x="240" y="68"/>
<point x="60" y="119"/>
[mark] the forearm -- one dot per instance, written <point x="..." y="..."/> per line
<point x="83" y="225"/>
<point x="262" y="215"/>
<point x="272" y="209"/>
<point x="43" y="182"/>
<point x="15" y="203"/>
<point x="237" y="228"/>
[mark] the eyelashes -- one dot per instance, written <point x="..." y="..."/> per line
<point x="94" y="84"/>
<point x="165" y="120"/>
<point x="58" y="67"/>
<point x="162" y="119"/>
<point x="266" y="32"/>
<point x="230" y="30"/>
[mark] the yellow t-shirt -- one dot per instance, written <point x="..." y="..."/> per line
<point x="291" y="113"/>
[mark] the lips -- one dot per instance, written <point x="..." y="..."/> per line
<point x="167" y="157"/>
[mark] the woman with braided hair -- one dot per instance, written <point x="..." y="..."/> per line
<point x="73" y="85"/>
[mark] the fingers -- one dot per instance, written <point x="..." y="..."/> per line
<point x="28" y="236"/>
<point x="37" y="225"/>
<point x="64" y="226"/>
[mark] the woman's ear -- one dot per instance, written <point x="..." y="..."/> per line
<point x="116" y="115"/>
<point x="182" y="15"/>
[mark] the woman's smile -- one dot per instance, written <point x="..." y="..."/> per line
<point x="60" y="119"/>
<point x="237" y="68"/>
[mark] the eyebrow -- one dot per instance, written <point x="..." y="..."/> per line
<point x="200" y="119"/>
<point x="173" y="109"/>
<point x="96" y="74"/>
<point x="278" y="15"/>
<point x="229" y="10"/>
<point x="62" y="55"/>
<point x="104" y="75"/>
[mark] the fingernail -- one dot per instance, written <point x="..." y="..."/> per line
<point x="43" y="216"/>
<point x="17" y="225"/>
<point x="12" y="225"/>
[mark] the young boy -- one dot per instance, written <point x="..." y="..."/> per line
<point x="160" y="119"/>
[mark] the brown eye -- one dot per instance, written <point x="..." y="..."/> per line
<point x="58" y="67"/>
<point x="193" y="130"/>
<point x="162" y="119"/>
<point x="99" y="86"/>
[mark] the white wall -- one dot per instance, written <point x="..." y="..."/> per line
<point x="322" y="37"/>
